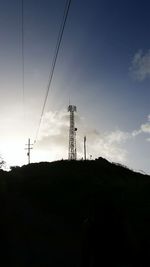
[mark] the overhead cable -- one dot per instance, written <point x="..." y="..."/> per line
<point x="22" y="48"/>
<point x="58" y="43"/>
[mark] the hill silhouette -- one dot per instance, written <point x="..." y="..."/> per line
<point x="74" y="213"/>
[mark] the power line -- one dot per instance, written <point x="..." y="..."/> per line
<point x="22" y="48"/>
<point x="59" y="39"/>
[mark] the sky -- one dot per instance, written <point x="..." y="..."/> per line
<point x="103" y="68"/>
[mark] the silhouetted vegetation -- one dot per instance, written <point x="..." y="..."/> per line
<point x="74" y="213"/>
<point x="2" y="163"/>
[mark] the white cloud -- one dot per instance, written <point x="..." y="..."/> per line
<point x="118" y="137"/>
<point x="53" y="124"/>
<point x="136" y="132"/>
<point x="109" y="145"/>
<point x="140" y="67"/>
<point x="54" y="137"/>
<point x="144" y="128"/>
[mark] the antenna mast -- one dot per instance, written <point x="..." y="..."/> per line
<point x="84" y="147"/>
<point x="72" y="153"/>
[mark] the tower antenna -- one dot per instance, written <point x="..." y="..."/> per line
<point x="72" y="153"/>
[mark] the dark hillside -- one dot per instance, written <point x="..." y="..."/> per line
<point x="72" y="214"/>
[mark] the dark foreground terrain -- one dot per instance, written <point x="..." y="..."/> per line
<point x="72" y="214"/>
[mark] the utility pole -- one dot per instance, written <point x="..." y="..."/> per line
<point x="29" y="148"/>
<point x="84" y="147"/>
<point x="72" y="153"/>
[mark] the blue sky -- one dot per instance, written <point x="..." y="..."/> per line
<point x="103" y="67"/>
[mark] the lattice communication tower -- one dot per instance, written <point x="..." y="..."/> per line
<point x="72" y="153"/>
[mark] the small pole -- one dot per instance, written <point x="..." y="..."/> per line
<point x="29" y="148"/>
<point x="84" y="147"/>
